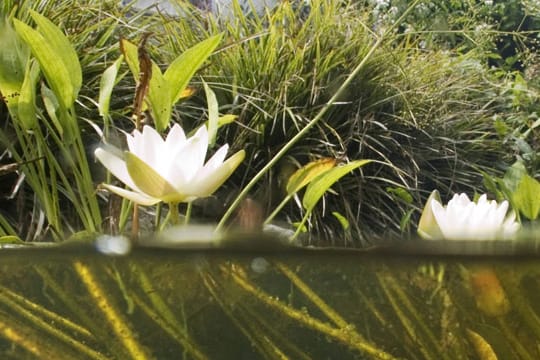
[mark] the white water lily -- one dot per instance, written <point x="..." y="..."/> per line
<point x="463" y="219"/>
<point x="170" y="170"/>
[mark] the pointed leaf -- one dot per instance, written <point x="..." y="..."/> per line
<point x="526" y="198"/>
<point x="307" y="173"/>
<point x="213" y="114"/>
<point x="62" y="47"/>
<point x="106" y="85"/>
<point x="318" y="186"/>
<point x="159" y="99"/>
<point x="27" y="98"/>
<point x="13" y="58"/>
<point x="342" y="220"/>
<point x="51" y="63"/>
<point x="427" y="226"/>
<point x="184" y="67"/>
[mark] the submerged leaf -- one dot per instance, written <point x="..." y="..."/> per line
<point x="481" y="346"/>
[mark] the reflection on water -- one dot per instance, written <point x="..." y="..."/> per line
<point x="188" y="304"/>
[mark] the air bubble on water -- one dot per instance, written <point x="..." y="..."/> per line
<point x="113" y="245"/>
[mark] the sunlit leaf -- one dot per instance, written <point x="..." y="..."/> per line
<point x="526" y="198"/>
<point x="318" y="186"/>
<point x="62" y="48"/>
<point x="13" y="58"/>
<point x="26" y="106"/>
<point x="158" y="97"/>
<point x="106" y="85"/>
<point x="50" y="101"/>
<point x="226" y="119"/>
<point x="307" y="173"/>
<point x="52" y="66"/>
<point x="342" y="220"/>
<point x="213" y="114"/>
<point x="184" y="66"/>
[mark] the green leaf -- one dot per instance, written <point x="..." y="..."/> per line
<point x="526" y="198"/>
<point x="158" y="99"/>
<point x="401" y="193"/>
<point x="213" y="114"/>
<point x="307" y="173"/>
<point x="226" y="119"/>
<point x="342" y="220"/>
<point x="13" y="58"/>
<point x="51" y="106"/>
<point x="51" y="63"/>
<point x="427" y="226"/>
<point x="106" y="85"/>
<point x="318" y="186"/>
<point x="27" y="98"/>
<point x="513" y="176"/>
<point x="62" y="47"/>
<point x="182" y="69"/>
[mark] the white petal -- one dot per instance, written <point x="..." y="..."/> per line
<point x="191" y="157"/>
<point x="205" y="186"/>
<point x="116" y="165"/>
<point x="136" y="197"/>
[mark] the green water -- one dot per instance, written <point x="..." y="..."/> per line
<point x="223" y="304"/>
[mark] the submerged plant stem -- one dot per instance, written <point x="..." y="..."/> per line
<point x="118" y="324"/>
<point x="343" y="335"/>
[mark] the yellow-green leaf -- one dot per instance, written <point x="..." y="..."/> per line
<point x="106" y="85"/>
<point x="26" y="106"/>
<point x="159" y="99"/>
<point x="60" y="44"/>
<point x="213" y="114"/>
<point x="307" y="173"/>
<point x="321" y="184"/>
<point x="526" y="198"/>
<point x="13" y="57"/>
<point x="51" y="63"/>
<point x="184" y="66"/>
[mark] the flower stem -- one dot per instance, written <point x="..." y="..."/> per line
<point x="174" y="216"/>
<point x="188" y="213"/>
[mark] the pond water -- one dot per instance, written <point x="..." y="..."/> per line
<point x="389" y="303"/>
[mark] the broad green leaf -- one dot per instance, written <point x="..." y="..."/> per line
<point x="62" y="47"/>
<point x="526" y="198"/>
<point x="13" y="58"/>
<point x="51" y="63"/>
<point x="146" y="178"/>
<point x="307" y="173"/>
<point x="129" y="50"/>
<point x="106" y="85"/>
<point x="427" y="226"/>
<point x="213" y="114"/>
<point x="318" y="186"/>
<point x="158" y="99"/>
<point x="184" y="66"/>
<point x="27" y="98"/>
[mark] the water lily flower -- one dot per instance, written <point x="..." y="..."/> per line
<point x="170" y="170"/>
<point x="463" y="219"/>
